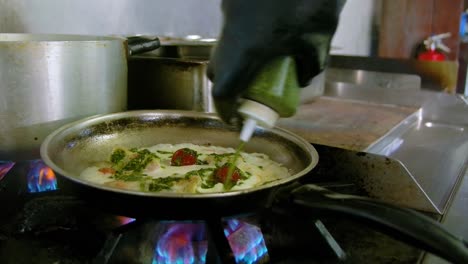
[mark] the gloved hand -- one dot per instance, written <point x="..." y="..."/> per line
<point x="256" y="31"/>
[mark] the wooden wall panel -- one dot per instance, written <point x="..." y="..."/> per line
<point x="387" y="40"/>
<point x="406" y="23"/>
<point x="446" y="18"/>
<point x="420" y="16"/>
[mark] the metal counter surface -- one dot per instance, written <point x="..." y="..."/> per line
<point x="353" y="125"/>
<point x="426" y="131"/>
<point x="432" y="144"/>
<point x="455" y="218"/>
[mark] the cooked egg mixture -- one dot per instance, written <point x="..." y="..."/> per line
<point x="149" y="169"/>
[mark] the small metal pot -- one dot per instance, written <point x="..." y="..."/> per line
<point x="49" y="80"/>
<point x="191" y="47"/>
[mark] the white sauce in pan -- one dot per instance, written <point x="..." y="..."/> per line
<point x="158" y="175"/>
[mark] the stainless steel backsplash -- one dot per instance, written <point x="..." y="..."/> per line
<point x="118" y="17"/>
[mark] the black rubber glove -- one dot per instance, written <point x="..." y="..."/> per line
<point x="256" y="31"/>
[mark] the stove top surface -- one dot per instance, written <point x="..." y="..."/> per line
<point x="42" y="223"/>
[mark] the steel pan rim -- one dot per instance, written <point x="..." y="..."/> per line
<point x="96" y="119"/>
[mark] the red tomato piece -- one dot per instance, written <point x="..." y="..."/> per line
<point x="184" y="157"/>
<point x="107" y="170"/>
<point x="220" y="174"/>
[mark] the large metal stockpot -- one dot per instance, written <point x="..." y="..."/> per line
<point x="49" y="80"/>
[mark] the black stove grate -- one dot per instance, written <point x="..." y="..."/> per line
<point x="51" y="226"/>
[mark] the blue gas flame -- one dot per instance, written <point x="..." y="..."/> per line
<point x="182" y="243"/>
<point x="186" y="243"/>
<point x="40" y="177"/>
<point x="246" y="241"/>
<point x="123" y="220"/>
<point x="5" y="167"/>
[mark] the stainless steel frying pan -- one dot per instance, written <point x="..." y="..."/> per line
<point x="73" y="147"/>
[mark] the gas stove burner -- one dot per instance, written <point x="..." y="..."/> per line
<point x="40" y="177"/>
<point x="181" y="243"/>
<point x="45" y="218"/>
<point x="246" y="241"/>
<point x="123" y="220"/>
<point x="188" y="243"/>
<point x="5" y="167"/>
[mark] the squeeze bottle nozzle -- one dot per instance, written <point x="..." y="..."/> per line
<point x="254" y="114"/>
<point x="274" y="93"/>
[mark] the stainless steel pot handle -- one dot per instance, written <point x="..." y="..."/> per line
<point x="138" y="45"/>
<point x="404" y="224"/>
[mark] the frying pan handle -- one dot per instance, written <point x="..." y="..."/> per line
<point x="401" y="223"/>
<point x="138" y="45"/>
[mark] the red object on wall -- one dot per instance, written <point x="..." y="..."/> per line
<point x="431" y="55"/>
<point x="435" y="49"/>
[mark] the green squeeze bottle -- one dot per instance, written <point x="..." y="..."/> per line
<point x="274" y="93"/>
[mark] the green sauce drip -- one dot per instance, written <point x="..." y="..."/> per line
<point x="228" y="184"/>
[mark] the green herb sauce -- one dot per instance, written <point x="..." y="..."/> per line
<point x="159" y="184"/>
<point x="276" y="86"/>
<point x="221" y="158"/>
<point x="228" y="184"/>
<point x="117" y="155"/>
<point x="206" y="174"/>
<point x="164" y="152"/>
<point x="128" y="176"/>
<point x="130" y="164"/>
